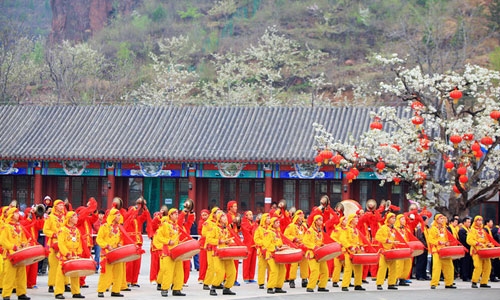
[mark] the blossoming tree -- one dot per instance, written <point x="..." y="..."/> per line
<point x="446" y="145"/>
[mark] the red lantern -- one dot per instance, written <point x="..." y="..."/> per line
<point x="456" y="94"/>
<point x="355" y="172"/>
<point x="397" y="147"/>
<point x="420" y="176"/>
<point x="417" y="105"/>
<point x="478" y="155"/>
<point x="380" y="166"/>
<point x="463" y="179"/>
<point x="475" y="147"/>
<point x="337" y="159"/>
<point x="376" y="125"/>
<point x="455" y="139"/>
<point x="449" y="165"/>
<point x="455" y="189"/>
<point x="495" y="115"/>
<point x="417" y="120"/>
<point x="396" y="180"/>
<point x="424" y="143"/>
<point x="319" y="159"/>
<point x="487" y="141"/>
<point x="462" y="171"/>
<point x="349" y="176"/>
<point x="468" y="137"/>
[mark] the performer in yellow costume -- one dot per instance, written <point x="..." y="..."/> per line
<point x="271" y="243"/>
<point x="437" y="238"/>
<point x="168" y="236"/>
<point x="386" y="236"/>
<point x="319" y="270"/>
<point x="261" y="251"/>
<point x="477" y="239"/>
<point x="295" y="232"/>
<point x="52" y="225"/>
<point x="208" y="226"/>
<point x="13" y="239"/>
<point x="351" y="243"/>
<point x="337" y="263"/>
<point x="108" y="238"/>
<point x="219" y="237"/>
<point x="70" y="247"/>
<point x="403" y="266"/>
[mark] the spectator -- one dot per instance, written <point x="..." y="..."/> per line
<point x="495" y="262"/>
<point x="95" y="229"/>
<point x="421" y="260"/>
<point x="466" y="261"/>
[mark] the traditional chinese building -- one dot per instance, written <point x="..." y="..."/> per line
<point x="166" y="154"/>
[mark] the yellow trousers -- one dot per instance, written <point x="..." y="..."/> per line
<point x="61" y="281"/>
<point x="124" y="284"/>
<point x="2" y="260"/>
<point x="112" y="276"/>
<point x="318" y="270"/>
<point x="403" y="267"/>
<point x="337" y="267"/>
<point x="261" y="272"/>
<point x="442" y="264"/>
<point x="173" y="274"/>
<point x="482" y="268"/>
<point x="13" y="277"/>
<point x="348" y="269"/>
<point x="383" y="265"/>
<point x="53" y="265"/>
<point x="210" y="274"/>
<point x="304" y="269"/>
<point x="277" y="274"/>
<point x="224" y="268"/>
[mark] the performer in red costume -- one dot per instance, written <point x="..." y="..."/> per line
<point x="323" y="209"/>
<point x="248" y="227"/>
<point x="156" y="253"/>
<point x="185" y="221"/>
<point x="33" y="223"/>
<point x="203" y="251"/>
<point x="86" y="217"/>
<point x="234" y="222"/>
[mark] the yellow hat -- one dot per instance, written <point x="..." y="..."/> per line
<point x="172" y="211"/>
<point x="68" y="216"/>
<point x="389" y="215"/>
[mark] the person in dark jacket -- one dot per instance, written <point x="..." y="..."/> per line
<point x="492" y="230"/>
<point x="466" y="261"/>
<point x="421" y="260"/>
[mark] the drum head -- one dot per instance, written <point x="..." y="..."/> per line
<point x="29" y="261"/>
<point x="417" y="252"/>
<point x="79" y="273"/>
<point x="126" y="259"/>
<point x="233" y="257"/>
<point x="187" y="255"/>
<point x="329" y="256"/>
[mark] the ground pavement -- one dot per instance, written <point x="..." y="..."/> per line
<point x="417" y="291"/>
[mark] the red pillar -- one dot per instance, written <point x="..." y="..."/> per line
<point x="111" y="187"/>
<point x="268" y="189"/>
<point x="192" y="185"/>
<point x="38" y="186"/>
<point x="346" y="189"/>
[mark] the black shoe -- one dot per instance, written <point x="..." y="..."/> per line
<point x="261" y="286"/>
<point x="60" y="296"/>
<point x="466" y="280"/>
<point x="379" y="287"/>
<point x="206" y="287"/>
<point x="67" y="288"/>
<point x="310" y="290"/>
<point x="13" y="291"/>
<point x="85" y="286"/>
<point x="219" y="287"/>
<point x="100" y="295"/>
<point x="433" y="287"/>
<point x="270" y="291"/>
<point x="212" y="291"/>
<point x="78" y="296"/>
<point x="292" y="284"/>
<point x="359" y="288"/>
<point x="227" y="291"/>
<point x="344" y="289"/>
<point x="158" y="287"/>
<point x="164" y="293"/>
<point x="6" y="298"/>
<point x="474" y="285"/>
<point x="51" y="289"/>
<point x="323" y="290"/>
<point x="279" y="291"/>
<point x="177" y="293"/>
<point x="135" y="285"/>
<point x="403" y="282"/>
<point x="494" y="279"/>
<point x="304" y="283"/>
<point x="392" y="287"/>
<point x="485" y="286"/>
<point x="335" y="284"/>
<point x="450" y="287"/>
<point x="126" y="290"/>
<point x="23" y="297"/>
<point x="365" y="281"/>
<point x="351" y="285"/>
<point x="116" y="294"/>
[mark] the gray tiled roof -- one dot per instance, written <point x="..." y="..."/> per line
<point x="132" y="133"/>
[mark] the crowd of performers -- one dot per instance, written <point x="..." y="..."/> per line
<point x="68" y="236"/>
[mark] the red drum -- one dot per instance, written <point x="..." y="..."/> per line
<point x="327" y="252"/>
<point x="397" y="254"/>
<point x="288" y="256"/>
<point x="453" y="252"/>
<point x="233" y="253"/>
<point x="123" y="254"/>
<point x="417" y="247"/>
<point x="27" y="256"/>
<point x="184" y="251"/>
<point x="79" y="267"/>
<point x="489" y="252"/>
<point x="365" y="258"/>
